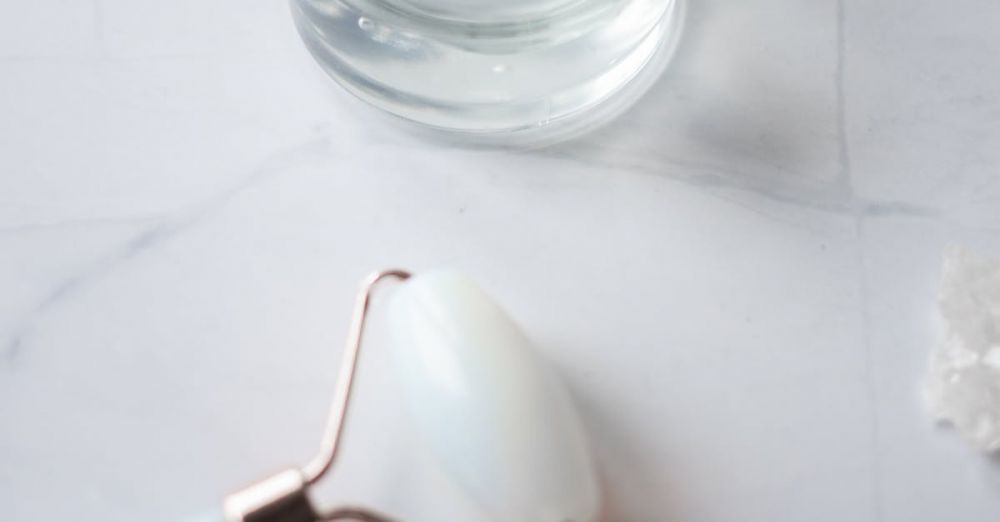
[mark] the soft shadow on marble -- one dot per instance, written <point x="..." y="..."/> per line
<point x="730" y="113"/>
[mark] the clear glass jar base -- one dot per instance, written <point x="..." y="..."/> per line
<point x="507" y="83"/>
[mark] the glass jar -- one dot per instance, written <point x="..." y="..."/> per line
<point x="493" y="70"/>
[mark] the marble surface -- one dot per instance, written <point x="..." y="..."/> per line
<point x="736" y="278"/>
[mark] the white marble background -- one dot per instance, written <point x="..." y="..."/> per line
<point x="737" y="278"/>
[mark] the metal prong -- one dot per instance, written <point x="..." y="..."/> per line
<point x="321" y="463"/>
<point x="284" y="497"/>
<point x="280" y="498"/>
<point x="356" y="514"/>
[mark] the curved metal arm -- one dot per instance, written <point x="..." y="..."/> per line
<point x="323" y="461"/>
<point x="355" y="514"/>
<point x="283" y="497"/>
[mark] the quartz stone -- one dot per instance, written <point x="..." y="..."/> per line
<point x="963" y="385"/>
<point x="500" y="420"/>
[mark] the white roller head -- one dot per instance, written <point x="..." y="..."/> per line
<point x="500" y="422"/>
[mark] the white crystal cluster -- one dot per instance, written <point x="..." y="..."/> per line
<point x="963" y="387"/>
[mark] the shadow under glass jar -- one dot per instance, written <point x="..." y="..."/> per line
<point x="493" y="70"/>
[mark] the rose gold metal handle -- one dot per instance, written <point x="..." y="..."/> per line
<point x="284" y="497"/>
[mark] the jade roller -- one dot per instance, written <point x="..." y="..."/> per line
<point x="496" y="418"/>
